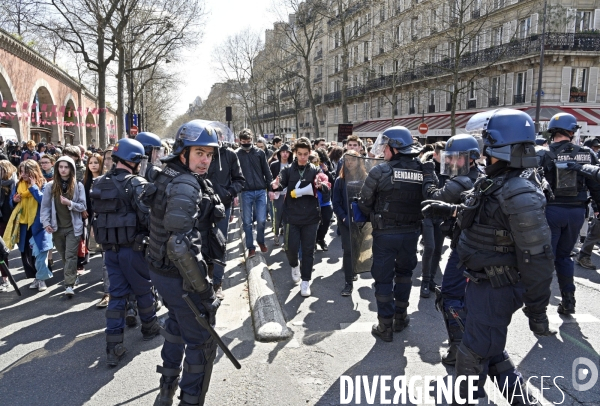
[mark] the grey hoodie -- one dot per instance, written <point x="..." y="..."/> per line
<point x="48" y="210"/>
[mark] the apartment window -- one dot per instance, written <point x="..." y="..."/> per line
<point x="336" y="39"/>
<point x="454" y="11"/>
<point x="472" y="90"/>
<point x="396" y="65"/>
<point x="365" y="110"/>
<point x="432" y="54"/>
<point x="381" y="70"/>
<point x="474" y="45"/>
<point x="520" y="85"/>
<point x="497" y="36"/>
<point x="494" y="86"/>
<point x="579" y="79"/>
<point x="524" y="28"/>
<point x="434" y="20"/>
<point x="355" y="112"/>
<point x="381" y="43"/>
<point x="583" y="20"/>
<point x="335" y="115"/>
<point x="398" y="104"/>
<point x="382" y="13"/>
<point x="414" y="28"/>
<point x="431" y="108"/>
<point x="498" y="4"/>
<point x="411" y="103"/>
<point x="307" y="116"/>
<point x="337" y="85"/>
<point x="368" y="21"/>
<point x="451" y="49"/>
<point x="379" y="106"/>
<point x="366" y="51"/>
<point x="336" y="64"/>
<point x="356" y="55"/>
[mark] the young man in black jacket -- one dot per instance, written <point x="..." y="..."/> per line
<point x="227" y="180"/>
<point x="302" y="212"/>
<point x="254" y="194"/>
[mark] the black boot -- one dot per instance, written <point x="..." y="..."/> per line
<point x="114" y="349"/>
<point x="567" y="305"/>
<point x="189" y="400"/>
<point x="454" y="338"/>
<point x="151" y="329"/>
<point x="169" y="383"/>
<point x="383" y="330"/>
<point x="401" y="321"/>
<point x="425" y="290"/>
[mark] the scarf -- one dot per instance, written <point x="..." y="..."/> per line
<point x="28" y="204"/>
<point x="48" y="175"/>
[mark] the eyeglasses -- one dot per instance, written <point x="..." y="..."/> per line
<point x="44" y="163"/>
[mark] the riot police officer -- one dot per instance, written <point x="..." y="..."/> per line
<point x="457" y="164"/>
<point x="120" y="226"/>
<point x="505" y="244"/>
<point x="392" y="196"/>
<point x="153" y="149"/>
<point x="566" y="213"/>
<point x="184" y="210"/>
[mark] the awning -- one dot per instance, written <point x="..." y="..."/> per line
<point x="40" y="130"/>
<point x="441" y="121"/>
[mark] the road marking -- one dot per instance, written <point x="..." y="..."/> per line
<point x="574" y="318"/>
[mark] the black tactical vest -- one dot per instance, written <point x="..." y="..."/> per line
<point x="400" y="204"/>
<point x="115" y="217"/>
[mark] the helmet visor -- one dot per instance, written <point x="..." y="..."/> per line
<point x="454" y="163"/>
<point x="190" y="133"/>
<point x="157" y="153"/>
<point x="108" y="162"/>
<point x="379" y="145"/>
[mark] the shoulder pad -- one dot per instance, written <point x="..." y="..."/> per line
<point x="381" y="170"/>
<point x="186" y="178"/>
<point x="516" y="186"/>
<point x="138" y="181"/>
<point x="463" y="180"/>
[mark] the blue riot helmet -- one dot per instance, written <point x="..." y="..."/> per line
<point x="456" y="158"/>
<point x="128" y="150"/>
<point x="539" y="141"/>
<point x="561" y="123"/>
<point x="508" y="135"/>
<point x="196" y="133"/>
<point x="397" y="137"/>
<point x="152" y="145"/>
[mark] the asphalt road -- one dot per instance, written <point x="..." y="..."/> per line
<point x="52" y="350"/>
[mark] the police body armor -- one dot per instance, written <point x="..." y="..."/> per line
<point x="399" y="198"/>
<point x="568" y="186"/>
<point x="200" y="227"/>
<point x="116" y="220"/>
<point x="487" y="245"/>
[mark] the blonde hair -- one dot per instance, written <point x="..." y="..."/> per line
<point x="33" y="170"/>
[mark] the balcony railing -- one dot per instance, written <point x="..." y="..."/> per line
<point x="578" y="97"/>
<point x="431" y="108"/>
<point x="318" y="78"/>
<point x="519" y="98"/>
<point x="494" y="101"/>
<point x="350" y="92"/>
<point x="319" y="55"/>
<point x="471" y="104"/>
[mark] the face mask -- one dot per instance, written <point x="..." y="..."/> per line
<point x="246" y="146"/>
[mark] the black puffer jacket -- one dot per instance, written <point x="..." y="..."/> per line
<point x="227" y="180"/>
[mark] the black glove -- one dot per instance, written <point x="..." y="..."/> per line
<point x="588" y="171"/>
<point x="435" y="208"/>
<point x="210" y="309"/>
<point x="428" y="166"/>
<point x="539" y="324"/>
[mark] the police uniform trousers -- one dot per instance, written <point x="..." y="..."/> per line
<point x="482" y="350"/>
<point x="183" y="335"/>
<point x="394" y="259"/>
<point x="128" y="273"/>
<point x="565" y="223"/>
<point x="453" y="287"/>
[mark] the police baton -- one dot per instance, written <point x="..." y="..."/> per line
<point x="10" y="277"/>
<point x="204" y="323"/>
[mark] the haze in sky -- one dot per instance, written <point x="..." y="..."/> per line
<point x="225" y="18"/>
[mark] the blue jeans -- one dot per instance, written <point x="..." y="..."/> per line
<point x="219" y="270"/>
<point x="565" y="223"/>
<point x="185" y="335"/>
<point x="128" y="273"/>
<point x="41" y="265"/>
<point x="394" y="259"/>
<point x="254" y="200"/>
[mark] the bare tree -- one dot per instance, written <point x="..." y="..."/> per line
<point x="16" y="16"/>
<point x="301" y="22"/>
<point x="235" y="59"/>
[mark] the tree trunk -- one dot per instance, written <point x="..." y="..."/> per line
<point x="101" y="92"/>
<point x="309" y="93"/>
<point x="121" y="94"/>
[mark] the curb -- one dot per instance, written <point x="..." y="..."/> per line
<point x="269" y="323"/>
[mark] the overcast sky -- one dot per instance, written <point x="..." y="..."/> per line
<point x="226" y="17"/>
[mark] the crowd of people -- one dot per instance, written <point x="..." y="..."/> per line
<point x="512" y="208"/>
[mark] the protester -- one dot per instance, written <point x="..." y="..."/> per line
<point x="30" y="152"/>
<point x="279" y="161"/>
<point x="47" y="164"/>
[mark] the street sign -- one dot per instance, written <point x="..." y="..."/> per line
<point x="423" y="128"/>
<point x="536" y="93"/>
<point x="133" y="130"/>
